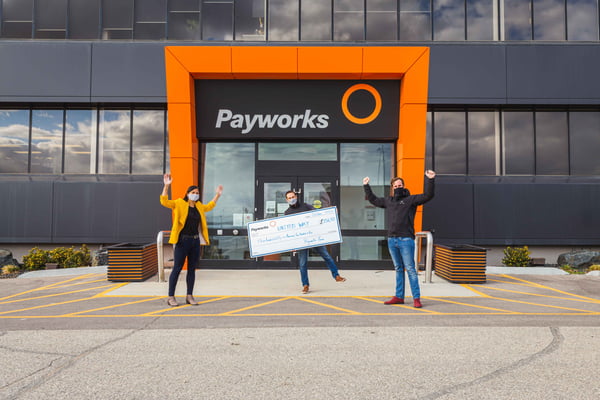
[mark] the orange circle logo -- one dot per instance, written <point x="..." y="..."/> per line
<point x="374" y="93"/>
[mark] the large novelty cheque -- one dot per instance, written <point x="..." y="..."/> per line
<point x="294" y="232"/>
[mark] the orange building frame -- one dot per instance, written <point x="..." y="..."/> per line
<point x="185" y="64"/>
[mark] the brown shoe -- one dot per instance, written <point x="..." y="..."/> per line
<point x="305" y="289"/>
<point x="340" y="279"/>
<point x="189" y="299"/>
<point x="172" y="302"/>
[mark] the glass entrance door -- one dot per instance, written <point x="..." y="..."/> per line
<point x="318" y="192"/>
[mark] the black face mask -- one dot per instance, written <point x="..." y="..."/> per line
<point x="400" y="193"/>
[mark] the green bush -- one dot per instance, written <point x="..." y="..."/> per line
<point x="571" y="270"/>
<point x="65" y="257"/>
<point x="36" y="259"/>
<point x="516" y="256"/>
<point x="594" y="267"/>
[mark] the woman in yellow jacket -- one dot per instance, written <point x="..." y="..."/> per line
<point x="189" y="231"/>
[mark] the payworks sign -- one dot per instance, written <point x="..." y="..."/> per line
<point x="264" y="109"/>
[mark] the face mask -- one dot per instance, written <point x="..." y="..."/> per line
<point x="292" y="202"/>
<point x="193" y="196"/>
<point x="400" y="193"/>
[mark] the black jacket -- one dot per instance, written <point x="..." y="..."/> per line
<point x="298" y="207"/>
<point x="401" y="212"/>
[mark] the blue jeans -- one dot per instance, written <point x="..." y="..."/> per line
<point x="303" y="263"/>
<point x="402" y="250"/>
<point x="190" y="248"/>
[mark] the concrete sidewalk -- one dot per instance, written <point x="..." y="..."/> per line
<point x="220" y="282"/>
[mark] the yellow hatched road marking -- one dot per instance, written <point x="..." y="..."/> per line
<point x="51" y="286"/>
<point x="471" y="305"/>
<point x="471" y="288"/>
<point x="555" y="290"/>
<point x="397" y="306"/>
<point x="542" y="295"/>
<point x="153" y="313"/>
<point x="256" y="306"/>
<point x="54" y="295"/>
<point x="539" y="305"/>
<point x="327" y="305"/>
<point x="108" y="307"/>
<point x="46" y="305"/>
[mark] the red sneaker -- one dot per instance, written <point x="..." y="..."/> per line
<point x="417" y="303"/>
<point x="394" y="300"/>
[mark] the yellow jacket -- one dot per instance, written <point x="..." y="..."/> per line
<point x="180" y="209"/>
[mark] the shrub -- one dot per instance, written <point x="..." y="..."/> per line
<point x="68" y="257"/>
<point x="594" y="267"/>
<point x="516" y="256"/>
<point x="36" y="259"/>
<point x="571" y="270"/>
<point x="10" y="269"/>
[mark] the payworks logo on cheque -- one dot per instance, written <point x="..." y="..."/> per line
<point x="247" y="122"/>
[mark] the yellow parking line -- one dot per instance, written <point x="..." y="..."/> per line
<point x="471" y="305"/>
<point x="256" y="305"/>
<point x="44" y="287"/>
<point x="474" y="290"/>
<point x="398" y="305"/>
<point x="557" y="290"/>
<point x="153" y="313"/>
<point x="108" y="307"/>
<point x="79" y="283"/>
<point x="115" y="287"/>
<point x="541" y="295"/>
<point x="327" y="305"/>
<point x="45" y="306"/>
<point x="54" y="295"/>
<point x="539" y="305"/>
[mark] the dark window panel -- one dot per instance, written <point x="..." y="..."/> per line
<point x="482" y="143"/>
<point x="117" y="14"/>
<point x="517" y="20"/>
<point x="249" y="20"/>
<point x="348" y="20"/>
<point x="584" y="130"/>
<point x="415" y="5"/>
<point x="51" y="14"/>
<point x="184" y="26"/>
<point x="582" y="19"/>
<point x="448" y="20"/>
<point x="17" y="10"/>
<point x="184" y="5"/>
<point x="14" y="141"/>
<point x="16" y="30"/>
<point x="150" y="10"/>
<point x="315" y="20"/>
<point x="51" y="34"/>
<point x="551" y="143"/>
<point x="518" y="143"/>
<point x="415" y="26"/>
<point x="382" y="20"/>
<point x="150" y="31"/>
<point x="549" y="20"/>
<point x="217" y="20"/>
<point x="480" y="20"/>
<point x="283" y="20"/>
<point x="450" y="142"/>
<point x="84" y="19"/>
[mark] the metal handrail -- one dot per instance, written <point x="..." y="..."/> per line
<point x="428" y="253"/>
<point x="161" y="258"/>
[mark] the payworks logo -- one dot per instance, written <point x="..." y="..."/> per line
<point x="247" y="122"/>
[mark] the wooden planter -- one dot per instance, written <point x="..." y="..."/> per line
<point x="131" y="262"/>
<point x="460" y="263"/>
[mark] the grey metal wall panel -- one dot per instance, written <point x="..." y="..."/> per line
<point x="54" y="70"/>
<point x="467" y="74"/>
<point x="553" y="74"/>
<point x="26" y="211"/>
<point x="123" y="71"/>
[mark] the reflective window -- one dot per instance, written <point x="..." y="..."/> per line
<point x="14" y="141"/>
<point x="429" y="143"/>
<point x="482" y="143"/>
<point x="226" y="247"/>
<point x="518" y="143"/>
<point x="415" y="20"/>
<point x="582" y="19"/>
<point x="150" y="19"/>
<point x="480" y="20"/>
<point x="315" y="20"/>
<point x="46" y="141"/>
<point x="297" y="151"/>
<point x="117" y="19"/>
<point x="549" y="20"/>
<point x="51" y="19"/>
<point x="359" y="160"/>
<point x="348" y="20"/>
<point x="84" y="19"/>
<point x="184" y="20"/>
<point x="114" y="138"/>
<point x="147" y="142"/>
<point x="382" y="20"/>
<point x="448" y="19"/>
<point x="283" y="20"/>
<point x="364" y="248"/>
<point x="250" y="20"/>
<point x="80" y="142"/>
<point x="551" y="143"/>
<point x="584" y="146"/>
<point x="450" y="142"/>
<point x="517" y="20"/>
<point x="17" y="18"/>
<point x="230" y="165"/>
<point x="217" y="20"/>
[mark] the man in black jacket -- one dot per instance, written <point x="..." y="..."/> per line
<point x="296" y="207"/>
<point x="401" y="208"/>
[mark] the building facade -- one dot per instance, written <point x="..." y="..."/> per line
<point x="511" y="121"/>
